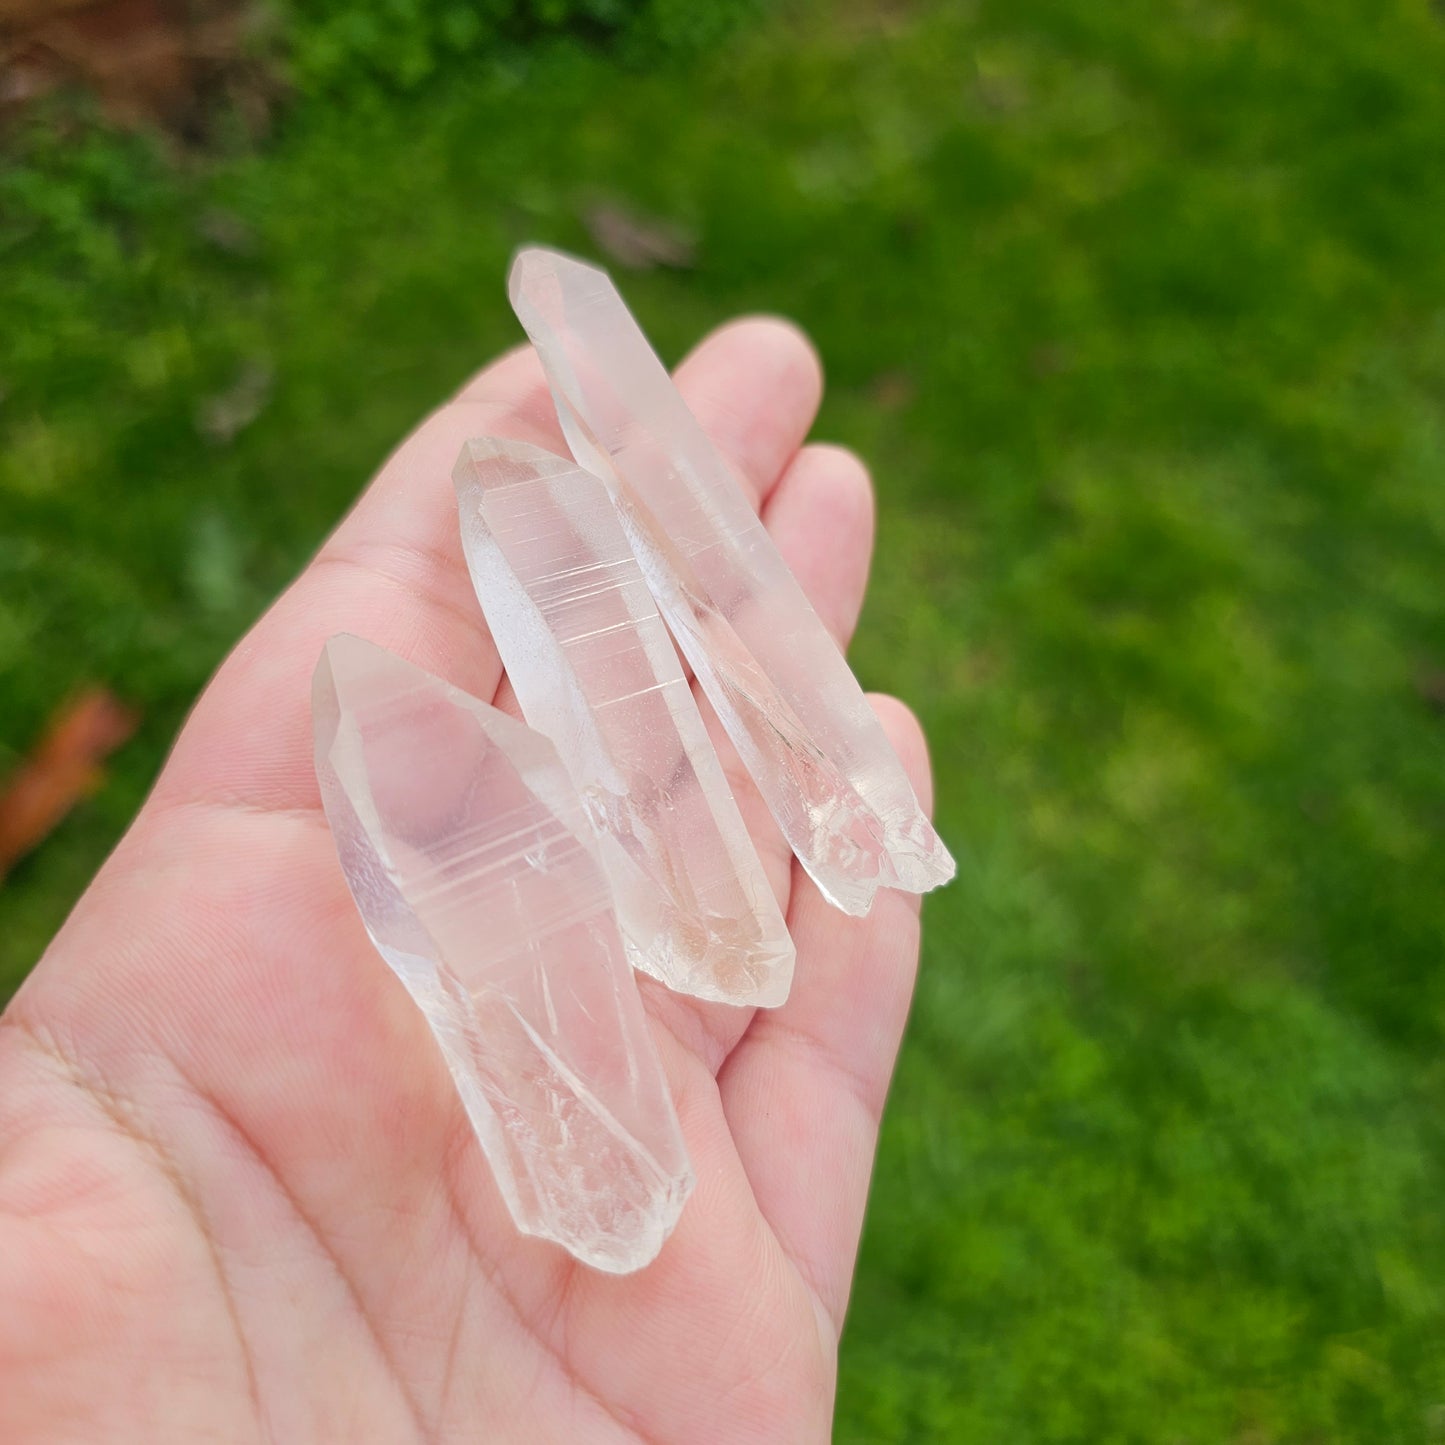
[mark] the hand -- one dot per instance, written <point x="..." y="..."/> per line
<point x="239" y="1199"/>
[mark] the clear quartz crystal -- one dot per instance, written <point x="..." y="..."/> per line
<point x="594" y="669"/>
<point x="464" y="845"/>
<point x="779" y="683"/>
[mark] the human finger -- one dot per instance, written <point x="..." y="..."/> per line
<point x="820" y="515"/>
<point x="805" y="1086"/>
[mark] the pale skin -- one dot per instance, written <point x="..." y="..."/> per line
<point x="239" y="1200"/>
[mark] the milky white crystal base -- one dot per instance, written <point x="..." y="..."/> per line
<point x="463" y="843"/>
<point x="594" y="669"/>
<point x="779" y="684"/>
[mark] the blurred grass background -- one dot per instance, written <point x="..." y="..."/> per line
<point x="1138" y="311"/>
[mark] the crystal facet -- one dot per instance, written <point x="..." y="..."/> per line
<point x="464" y="845"/>
<point x="779" y="683"/>
<point x="595" y="671"/>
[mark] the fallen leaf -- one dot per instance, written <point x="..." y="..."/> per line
<point x="1430" y="688"/>
<point x="636" y="241"/>
<point x="1050" y="358"/>
<point x="145" y="60"/>
<point x="29" y="12"/>
<point x="64" y="767"/>
<point x="227" y="232"/>
<point x="223" y="417"/>
<point x="892" y="390"/>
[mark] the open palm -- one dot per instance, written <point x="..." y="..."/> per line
<point x="239" y="1199"/>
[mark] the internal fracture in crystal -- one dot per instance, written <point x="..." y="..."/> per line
<point x="779" y="683"/>
<point x="463" y="843"/>
<point x="594" y="669"/>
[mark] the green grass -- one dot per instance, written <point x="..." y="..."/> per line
<point x="1139" y="312"/>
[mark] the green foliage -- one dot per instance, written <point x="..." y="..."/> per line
<point x="339" y="46"/>
<point x="1139" y="313"/>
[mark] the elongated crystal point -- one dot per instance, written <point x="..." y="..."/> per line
<point x="782" y="688"/>
<point x="464" y="845"/>
<point x="595" y="671"/>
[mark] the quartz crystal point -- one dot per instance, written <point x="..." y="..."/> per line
<point x="782" y="688"/>
<point x="464" y="845"/>
<point x="594" y="669"/>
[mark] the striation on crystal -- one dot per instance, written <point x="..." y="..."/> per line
<point x="783" y="690"/>
<point x="463" y="843"/>
<point x="594" y="669"/>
